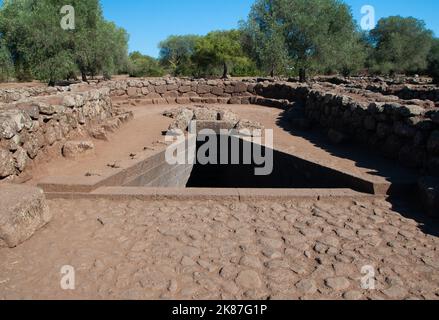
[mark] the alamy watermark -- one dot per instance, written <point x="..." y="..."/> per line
<point x="368" y="18"/>
<point x="68" y="20"/>
<point x="68" y="278"/>
<point x="368" y="280"/>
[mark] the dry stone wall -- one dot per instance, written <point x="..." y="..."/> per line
<point x="406" y="130"/>
<point x="181" y="91"/>
<point x="14" y="95"/>
<point x="400" y="129"/>
<point x="29" y="126"/>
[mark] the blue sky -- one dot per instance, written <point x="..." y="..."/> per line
<point x="150" y="21"/>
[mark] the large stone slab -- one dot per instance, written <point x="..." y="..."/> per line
<point x="23" y="210"/>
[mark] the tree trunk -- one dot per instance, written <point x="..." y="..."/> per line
<point x="272" y="71"/>
<point x="84" y="76"/>
<point x="226" y="71"/>
<point x="302" y="75"/>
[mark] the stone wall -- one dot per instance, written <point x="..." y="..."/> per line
<point x="17" y="94"/>
<point x="401" y="130"/>
<point x="30" y="126"/>
<point x="406" y="130"/>
<point x="181" y="91"/>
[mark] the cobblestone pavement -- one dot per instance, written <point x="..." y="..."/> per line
<point x="218" y="250"/>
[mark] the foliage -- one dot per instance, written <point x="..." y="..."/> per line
<point x="401" y="45"/>
<point x="176" y="54"/>
<point x="40" y="48"/>
<point x="221" y="50"/>
<point x="280" y="37"/>
<point x="316" y="35"/>
<point x="433" y="61"/>
<point x="6" y="63"/>
<point x="144" y="66"/>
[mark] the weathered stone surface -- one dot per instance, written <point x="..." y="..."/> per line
<point x="204" y="113"/>
<point x="7" y="164"/>
<point x="99" y="133"/>
<point x="249" y="279"/>
<point x="23" y="212"/>
<point x="182" y="120"/>
<point x="249" y="126"/>
<point x="74" y="149"/>
<point x="410" y="110"/>
<point x="307" y="286"/>
<point x="21" y="159"/>
<point x="229" y="116"/>
<point x="338" y="284"/>
<point x="8" y="128"/>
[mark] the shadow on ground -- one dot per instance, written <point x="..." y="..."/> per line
<point x="402" y="194"/>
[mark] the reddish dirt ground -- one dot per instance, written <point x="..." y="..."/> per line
<point x="145" y="130"/>
<point x="223" y="250"/>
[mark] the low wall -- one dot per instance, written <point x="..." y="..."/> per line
<point x="30" y="126"/>
<point x="404" y="130"/>
<point x="401" y="131"/>
<point x="181" y="91"/>
<point x="17" y="94"/>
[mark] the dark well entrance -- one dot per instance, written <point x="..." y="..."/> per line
<point x="288" y="171"/>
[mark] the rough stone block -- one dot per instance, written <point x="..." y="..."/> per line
<point x="23" y="211"/>
<point x="74" y="149"/>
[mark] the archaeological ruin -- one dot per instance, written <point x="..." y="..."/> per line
<point x="354" y="182"/>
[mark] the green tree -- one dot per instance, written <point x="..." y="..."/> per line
<point x="6" y="63"/>
<point x="144" y="66"/>
<point x="264" y="40"/>
<point x="99" y="46"/>
<point x="221" y="50"/>
<point x="315" y="34"/>
<point x="401" y="45"/>
<point x="47" y="44"/>
<point x="176" y="53"/>
<point x="41" y="48"/>
<point x="433" y="61"/>
<point x="14" y="28"/>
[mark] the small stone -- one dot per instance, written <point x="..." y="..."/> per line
<point x="173" y="286"/>
<point x="74" y="149"/>
<point x="7" y="164"/>
<point x="99" y="134"/>
<point x="249" y="279"/>
<point x="272" y="243"/>
<point x="307" y="286"/>
<point x="353" y="295"/>
<point x="396" y="292"/>
<point x="21" y="159"/>
<point x="187" y="262"/>
<point x="271" y="253"/>
<point x="251" y="262"/>
<point x="338" y="284"/>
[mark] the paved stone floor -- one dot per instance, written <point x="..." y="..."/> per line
<point x="217" y="250"/>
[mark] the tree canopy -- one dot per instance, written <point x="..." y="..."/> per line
<point x="433" y="61"/>
<point x="315" y="35"/>
<point x="40" y="48"/>
<point x="401" y="45"/>
<point x="176" y="54"/>
<point x="222" y="51"/>
<point x="279" y="37"/>
<point x="143" y="66"/>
